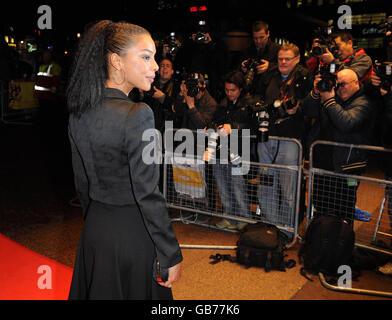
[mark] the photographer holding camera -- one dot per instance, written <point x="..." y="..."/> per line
<point x="346" y="56"/>
<point x="260" y="57"/>
<point x="206" y="53"/>
<point x="342" y="113"/>
<point x="313" y="62"/>
<point x="169" y="47"/>
<point x="194" y="106"/>
<point x="232" y="113"/>
<point x="288" y="85"/>
<point x="163" y="92"/>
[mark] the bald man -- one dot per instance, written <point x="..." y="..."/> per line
<point x="346" y="115"/>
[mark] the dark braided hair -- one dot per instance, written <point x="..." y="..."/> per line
<point x="89" y="70"/>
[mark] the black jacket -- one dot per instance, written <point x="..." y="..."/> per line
<point x="163" y="109"/>
<point x="297" y="85"/>
<point x="350" y="121"/>
<point x="107" y="149"/>
<point x="238" y="115"/>
<point x="211" y="59"/>
<point x="270" y="53"/>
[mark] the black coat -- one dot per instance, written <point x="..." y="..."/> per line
<point x="297" y="85"/>
<point x="238" y="115"/>
<point x="270" y="53"/>
<point x="349" y="121"/>
<point x="107" y="149"/>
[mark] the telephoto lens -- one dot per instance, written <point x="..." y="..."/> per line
<point x="235" y="160"/>
<point x="210" y="152"/>
<point x="263" y="129"/>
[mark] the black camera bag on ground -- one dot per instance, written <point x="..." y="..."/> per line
<point x="262" y="245"/>
<point x="329" y="243"/>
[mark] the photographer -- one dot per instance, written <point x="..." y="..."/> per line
<point x="347" y="56"/>
<point x="314" y="60"/>
<point x="232" y="113"/>
<point x="163" y="92"/>
<point x="169" y="47"/>
<point x="206" y="54"/>
<point x="386" y="136"/>
<point x="343" y="113"/>
<point x="263" y="51"/>
<point x="289" y="84"/>
<point x="194" y="109"/>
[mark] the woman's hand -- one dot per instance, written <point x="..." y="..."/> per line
<point x="174" y="276"/>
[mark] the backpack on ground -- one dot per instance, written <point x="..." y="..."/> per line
<point x="328" y="244"/>
<point x="262" y="245"/>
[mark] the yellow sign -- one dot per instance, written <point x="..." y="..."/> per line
<point x="188" y="177"/>
<point x="21" y="95"/>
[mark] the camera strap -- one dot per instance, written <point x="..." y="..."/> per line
<point x="284" y="87"/>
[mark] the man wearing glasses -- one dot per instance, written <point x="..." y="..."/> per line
<point x="344" y="114"/>
<point x="286" y="87"/>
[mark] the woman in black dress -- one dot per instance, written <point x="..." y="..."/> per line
<point x="127" y="228"/>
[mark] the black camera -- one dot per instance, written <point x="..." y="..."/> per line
<point x="171" y="42"/>
<point x="201" y="37"/>
<point x="328" y="78"/>
<point x="322" y="47"/>
<point x="192" y="81"/>
<point x="384" y="72"/>
<point x="251" y="64"/>
<point x="324" y="42"/>
<point x="261" y="114"/>
<point x="281" y="106"/>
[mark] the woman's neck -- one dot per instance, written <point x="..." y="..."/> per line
<point x="122" y="87"/>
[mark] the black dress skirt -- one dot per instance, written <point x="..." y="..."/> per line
<point x="115" y="257"/>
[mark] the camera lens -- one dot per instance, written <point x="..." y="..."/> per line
<point x="263" y="129"/>
<point x="317" y="51"/>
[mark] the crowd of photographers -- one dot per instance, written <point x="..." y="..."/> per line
<point x="340" y="94"/>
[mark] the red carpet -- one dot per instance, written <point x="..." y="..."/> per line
<point x="26" y="275"/>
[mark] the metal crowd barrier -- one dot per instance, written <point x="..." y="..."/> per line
<point x="359" y="199"/>
<point x="207" y="190"/>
